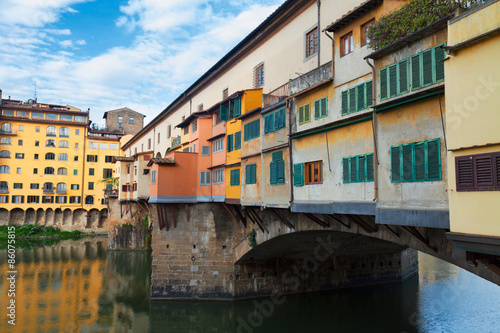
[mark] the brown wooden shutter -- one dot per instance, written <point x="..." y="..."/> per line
<point x="464" y="174"/>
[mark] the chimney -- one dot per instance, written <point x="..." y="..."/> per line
<point x="0" y="96"/>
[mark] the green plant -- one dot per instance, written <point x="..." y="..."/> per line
<point x="252" y="242"/>
<point x="127" y="226"/>
<point x="411" y="17"/>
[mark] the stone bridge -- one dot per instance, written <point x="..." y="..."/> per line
<point x="210" y="251"/>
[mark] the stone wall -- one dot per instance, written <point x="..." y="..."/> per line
<point x="125" y="113"/>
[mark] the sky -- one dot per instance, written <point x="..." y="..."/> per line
<point x="104" y="54"/>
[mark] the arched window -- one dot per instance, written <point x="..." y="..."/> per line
<point x="50" y="143"/>
<point x="62" y="171"/>
<point x="64" y="132"/>
<point x="61" y="188"/>
<point x="89" y="200"/>
<point x="6" y="128"/>
<point x="62" y="157"/>
<point x="63" y="144"/>
<point x="48" y="188"/>
<point x="50" y="156"/>
<point x="51" y="131"/>
<point x="49" y="171"/>
<point x="4" y="154"/>
<point x="4" y="187"/>
<point x="5" y="141"/>
<point x="4" y="169"/>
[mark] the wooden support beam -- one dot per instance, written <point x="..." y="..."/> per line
<point x="317" y="220"/>
<point x="361" y="219"/>
<point x="360" y="223"/>
<point x="164" y="207"/>
<point x="389" y="230"/>
<point x="187" y="212"/>
<point x="418" y="236"/>
<point x="240" y="216"/>
<point x="250" y="216"/>
<point x="283" y="219"/>
<point x="160" y="217"/>
<point x="333" y="217"/>
<point x="121" y="210"/>
<point x="173" y="216"/>
<point x="259" y="220"/>
<point x="229" y="211"/>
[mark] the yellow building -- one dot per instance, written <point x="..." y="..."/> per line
<point x="49" y="168"/>
<point x="473" y="136"/>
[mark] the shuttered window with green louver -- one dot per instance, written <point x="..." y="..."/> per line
<point x="358" y="169"/>
<point x="417" y="161"/>
<point x="357" y="98"/>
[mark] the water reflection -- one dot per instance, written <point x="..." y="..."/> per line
<point x="75" y="286"/>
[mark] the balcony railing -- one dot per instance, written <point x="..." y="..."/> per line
<point x="275" y="96"/>
<point x="176" y="141"/>
<point x="61" y="191"/>
<point x="8" y="132"/>
<point x="4" y="190"/>
<point x="48" y="191"/>
<point x="111" y="192"/>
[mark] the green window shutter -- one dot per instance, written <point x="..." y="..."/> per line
<point x="37" y="199"/>
<point x="434" y="160"/>
<point x="408" y="162"/>
<point x="274" y="173"/>
<point x="301" y="114"/>
<point x="393" y="80"/>
<point x="415" y="72"/>
<point x="369" y="94"/>
<point x="439" y="55"/>
<point x="6" y="199"/>
<point x="22" y="198"/>
<point x="95" y="159"/>
<point x="345" y="169"/>
<point x="65" y="199"/>
<point x="383" y="83"/>
<point x="237" y="176"/>
<point x="279" y="119"/>
<point x="88" y="158"/>
<point x="324" y="107"/>
<point x="277" y="156"/>
<point x="361" y="96"/>
<point x="403" y="76"/>
<point x="79" y="199"/>
<point x="257" y="126"/>
<point x="298" y="174"/>
<point x="345" y="102"/>
<point x="307" y="113"/>
<point x="52" y="199"/>
<point x="13" y="199"/>
<point x="370" y="168"/>
<point x="362" y="168"/>
<point x="237" y="140"/>
<point x="317" y="110"/>
<point x="427" y="69"/>
<point x="267" y="121"/>
<point x="223" y="112"/>
<point x="246" y="130"/>
<point x="420" y="161"/>
<point x="353" y="171"/>
<point x="248" y="177"/>
<point x="237" y="107"/>
<point x="272" y="119"/>
<point x="281" y="172"/>
<point x="230" y="142"/>
<point x="352" y="100"/>
<point x="395" y="164"/>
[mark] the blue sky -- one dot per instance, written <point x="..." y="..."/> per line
<point x="103" y="54"/>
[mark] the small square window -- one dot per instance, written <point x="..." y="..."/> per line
<point x="76" y="146"/>
<point x="91" y="171"/>
<point x="36" y="156"/>
<point x="346" y="44"/>
<point x="77" y="132"/>
<point x="19" y="142"/>
<point x="91" y="185"/>
<point x="225" y="93"/>
<point x="130" y="120"/>
<point x="364" y="29"/>
<point x="35" y="171"/>
<point x="259" y="76"/>
<point x="21" y="128"/>
<point x="75" y="159"/>
<point x="37" y="143"/>
<point x="312" y="42"/>
<point x="37" y="129"/>
<point x="18" y="170"/>
<point x="314" y="172"/>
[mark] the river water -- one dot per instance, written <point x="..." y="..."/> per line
<point x="77" y="286"/>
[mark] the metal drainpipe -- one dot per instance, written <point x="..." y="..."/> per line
<point x="333" y="53"/>
<point x="290" y="150"/>
<point x="374" y="130"/>
<point x="83" y="158"/>
<point x="319" y="39"/>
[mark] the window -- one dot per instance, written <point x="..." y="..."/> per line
<point x="259" y="76"/>
<point x="320" y="108"/>
<point x="32" y="199"/>
<point x="103" y="145"/>
<point x="61" y="188"/>
<point x="20" y="156"/>
<point x="312" y="42"/>
<point x="91" y="171"/>
<point x="4" y="199"/>
<point x="251" y="174"/>
<point x="313" y="172"/>
<point x="145" y="171"/>
<point x="37" y="129"/>
<point x="47" y="199"/>
<point x="237" y="140"/>
<point x="76" y="146"/>
<point x="304" y="114"/>
<point x="357" y="169"/>
<point x="480" y="172"/>
<point x="4" y="169"/>
<point x="34" y="186"/>
<point x="252" y="130"/>
<point x="217" y="119"/>
<point x="37" y="143"/>
<point x="74" y="200"/>
<point x="120" y="121"/>
<point x="218" y="145"/>
<point x="18" y="170"/>
<point x="218" y="175"/>
<point x="51" y="131"/>
<point x="18" y="199"/>
<point x="194" y="126"/>
<point x="423" y="69"/>
<point x="75" y="158"/>
<point x="51" y="116"/>
<point x="19" y="142"/>
<point x="18" y="186"/>
<point x="274" y="121"/>
<point x="346" y="44"/>
<point x="61" y="199"/>
<point x="130" y="120"/>
<point x="23" y="114"/>
<point x="91" y="185"/>
<point x="48" y="188"/>
<point x="89" y="200"/>
<point x="205" y="150"/>
<point x="50" y="143"/>
<point x="91" y="158"/>
<point x="8" y="113"/>
<point x="113" y="146"/>
<point x="418" y="161"/>
<point x="66" y="117"/>
<point x="62" y="157"/>
<point x="35" y="171"/>
<point x="5" y="141"/>
<point x="153" y="177"/>
<point x="230" y="141"/>
<point x="62" y="171"/>
<point x="159" y="136"/>
<point x="37" y="115"/>
<point x="277" y="168"/>
<point x="230" y="109"/>
<point x="364" y="29"/>
<point x="64" y="144"/>
<point x="75" y="186"/>
<point x="4" y="154"/>
<point x="205" y="177"/>
<point x="6" y="128"/>
<point x="357" y="98"/>
<point x="200" y="107"/>
<point x="186" y="130"/>
<point x="77" y="131"/>
<point x="80" y="119"/>
<point x="48" y="171"/>
<point x="93" y="145"/>
<point x="234" y="176"/>
<point x="135" y="170"/>
<point x="169" y="131"/>
<point x="4" y="187"/>
<point x="21" y="128"/>
<point x="108" y="159"/>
